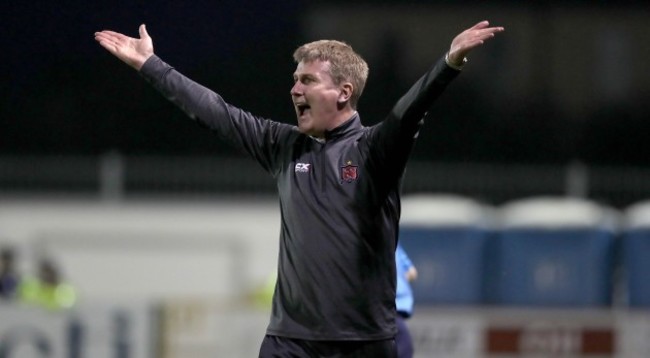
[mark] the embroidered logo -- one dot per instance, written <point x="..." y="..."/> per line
<point x="302" y="167"/>
<point x="349" y="172"/>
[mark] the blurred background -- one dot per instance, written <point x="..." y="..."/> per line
<point x="143" y="211"/>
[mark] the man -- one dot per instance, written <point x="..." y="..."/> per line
<point x="338" y="185"/>
<point x="406" y="272"/>
<point x="48" y="289"/>
<point x="9" y="277"/>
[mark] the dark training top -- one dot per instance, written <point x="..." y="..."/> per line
<point x="339" y="203"/>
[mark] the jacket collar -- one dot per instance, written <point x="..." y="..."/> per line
<point x="350" y="126"/>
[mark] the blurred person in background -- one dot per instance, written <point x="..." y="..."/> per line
<point x="47" y="289"/>
<point x="338" y="184"/>
<point x="9" y="277"/>
<point x="262" y="295"/>
<point x="406" y="273"/>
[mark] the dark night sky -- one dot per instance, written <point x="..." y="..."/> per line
<point x="62" y="93"/>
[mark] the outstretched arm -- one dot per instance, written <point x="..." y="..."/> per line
<point x="134" y="52"/>
<point x="395" y="136"/>
<point x="261" y="139"/>
<point x="469" y="39"/>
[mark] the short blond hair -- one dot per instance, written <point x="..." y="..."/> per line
<point x="345" y="64"/>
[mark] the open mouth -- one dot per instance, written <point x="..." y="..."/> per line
<point x="302" y="108"/>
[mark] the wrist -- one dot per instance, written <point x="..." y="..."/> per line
<point x="139" y="62"/>
<point x="457" y="65"/>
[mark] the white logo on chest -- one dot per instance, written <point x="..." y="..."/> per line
<point x="302" y="167"/>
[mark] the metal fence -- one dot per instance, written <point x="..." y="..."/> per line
<point x="118" y="177"/>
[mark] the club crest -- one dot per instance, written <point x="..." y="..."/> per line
<point x="349" y="172"/>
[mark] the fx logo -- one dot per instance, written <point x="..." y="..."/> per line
<point x="302" y="167"/>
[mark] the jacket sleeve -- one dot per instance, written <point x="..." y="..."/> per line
<point x="393" y="138"/>
<point x="260" y="138"/>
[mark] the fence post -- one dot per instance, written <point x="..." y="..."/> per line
<point x="577" y="180"/>
<point x="111" y="176"/>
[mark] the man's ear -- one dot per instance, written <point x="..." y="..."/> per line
<point x="346" y="92"/>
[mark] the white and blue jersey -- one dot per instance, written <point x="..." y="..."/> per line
<point x="404" y="294"/>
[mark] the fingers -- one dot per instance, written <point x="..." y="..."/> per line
<point x="480" y="25"/>
<point x="476" y="40"/>
<point x="107" y="43"/>
<point x="143" y="31"/>
<point x="111" y="41"/>
<point x="485" y="35"/>
<point x="488" y="31"/>
<point x="112" y="33"/>
<point x="478" y="33"/>
<point x="108" y="46"/>
<point x="118" y="37"/>
<point x="493" y="30"/>
<point x="102" y="38"/>
<point x="484" y="25"/>
<point x="110" y="36"/>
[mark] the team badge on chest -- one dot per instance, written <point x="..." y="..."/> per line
<point x="349" y="172"/>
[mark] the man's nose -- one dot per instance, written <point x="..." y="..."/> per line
<point x="296" y="90"/>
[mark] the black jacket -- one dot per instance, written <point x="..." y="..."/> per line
<point x="339" y="201"/>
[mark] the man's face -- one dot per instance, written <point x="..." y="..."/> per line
<point x="315" y="97"/>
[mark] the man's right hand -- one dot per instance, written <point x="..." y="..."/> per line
<point x="134" y="52"/>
